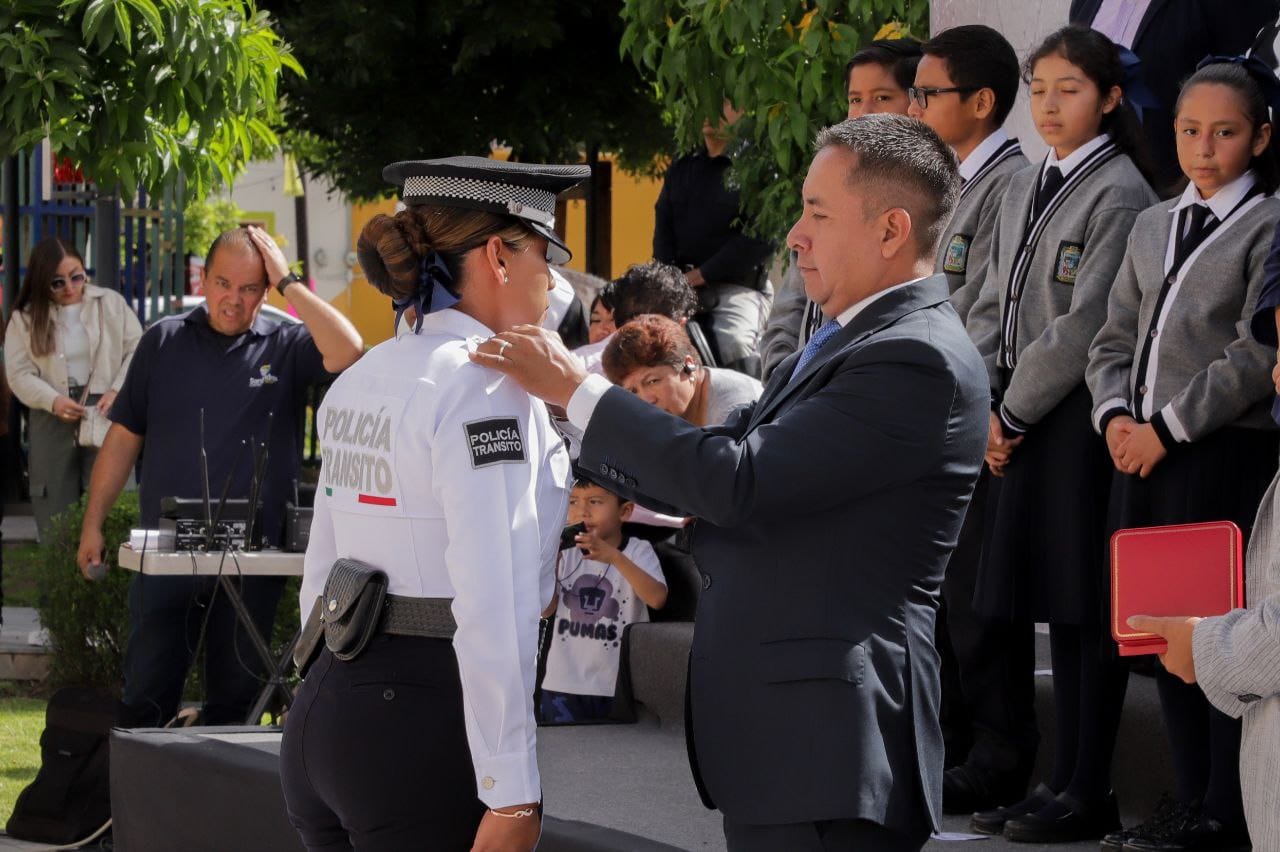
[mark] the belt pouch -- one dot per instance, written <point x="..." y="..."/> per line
<point x="352" y="605"/>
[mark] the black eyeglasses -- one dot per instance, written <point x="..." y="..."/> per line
<point x="921" y="96"/>
<point x="61" y="283"/>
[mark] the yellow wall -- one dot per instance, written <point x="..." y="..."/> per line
<point x="633" y="200"/>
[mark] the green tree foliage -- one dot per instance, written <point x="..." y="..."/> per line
<point x="203" y="221"/>
<point x="782" y="61"/>
<point x="140" y="91"/>
<point x="401" y="79"/>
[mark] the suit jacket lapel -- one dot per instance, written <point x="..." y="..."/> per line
<point x="881" y="313"/>
<point x="1147" y="18"/>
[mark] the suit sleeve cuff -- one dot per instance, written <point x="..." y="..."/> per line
<point x="1012" y="425"/>
<point x="1108" y="411"/>
<point x="584" y="400"/>
<point x="1169" y="427"/>
<point x="508" y="779"/>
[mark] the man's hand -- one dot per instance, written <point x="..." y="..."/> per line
<point x="104" y="403"/>
<point x="536" y="359"/>
<point x="595" y="547"/>
<point x="66" y="408"/>
<point x="1177" y="631"/>
<point x="694" y="277"/>
<point x="1141" y="451"/>
<point x="274" y="259"/>
<point x="1119" y="428"/>
<point x="1275" y="373"/>
<point x="91" y="550"/>
<point x="999" y="448"/>
<point x="507" y="834"/>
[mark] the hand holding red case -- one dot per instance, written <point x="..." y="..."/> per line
<point x="1180" y="570"/>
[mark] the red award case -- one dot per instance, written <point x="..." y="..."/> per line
<point x="1186" y="569"/>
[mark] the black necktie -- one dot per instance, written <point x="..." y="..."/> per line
<point x="1193" y="233"/>
<point x="1053" y="181"/>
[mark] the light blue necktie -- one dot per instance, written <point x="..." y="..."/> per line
<point x="825" y="332"/>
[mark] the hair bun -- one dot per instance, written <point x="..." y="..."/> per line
<point x="389" y="262"/>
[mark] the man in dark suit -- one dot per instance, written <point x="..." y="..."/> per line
<point x="828" y="511"/>
<point x="1171" y="37"/>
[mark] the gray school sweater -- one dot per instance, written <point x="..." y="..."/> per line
<point x="966" y="240"/>
<point x="1044" y="333"/>
<point x="1202" y="368"/>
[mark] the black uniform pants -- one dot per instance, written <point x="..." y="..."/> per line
<point x="988" y="665"/>
<point x="167" y="616"/>
<point x="375" y="754"/>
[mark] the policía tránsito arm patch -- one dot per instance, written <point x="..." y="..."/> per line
<point x="495" y="440"/>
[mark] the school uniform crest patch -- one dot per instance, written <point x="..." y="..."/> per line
<point x="956" y="259"/>
<point x="1068" y="262"/>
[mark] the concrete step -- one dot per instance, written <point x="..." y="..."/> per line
<point x="18" y="526"/>
<point x="24" y="645"/>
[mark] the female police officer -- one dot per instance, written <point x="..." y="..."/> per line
<point x="451" y="480"/>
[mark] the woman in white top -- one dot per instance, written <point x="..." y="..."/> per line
<point x="67" y="348"/>
<point x="452" y="480"/>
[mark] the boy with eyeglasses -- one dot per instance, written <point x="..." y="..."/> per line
<point x="965" y="86"/>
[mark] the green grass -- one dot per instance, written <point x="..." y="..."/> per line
<point x="21" y="721"/>
<point x="20" y="566"/>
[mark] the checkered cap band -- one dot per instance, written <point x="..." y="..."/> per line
<point x="505" y="194"/>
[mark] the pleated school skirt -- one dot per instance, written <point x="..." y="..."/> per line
<point x="1221" y="477"/>
<point x="1044" y="549"/>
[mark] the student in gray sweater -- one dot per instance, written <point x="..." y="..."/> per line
<point x="1058" y="242"/>
<point x="965" y="87"/>
<point x="1181" y="392"/>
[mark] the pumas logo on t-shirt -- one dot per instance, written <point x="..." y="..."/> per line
<point x="264" y="377"/>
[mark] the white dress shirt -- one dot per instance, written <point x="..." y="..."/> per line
<point x="1119" y="20"/>
<point x="972" y="164"/>
<point x="451" y="479"/>
<point x="1075" y="158"/>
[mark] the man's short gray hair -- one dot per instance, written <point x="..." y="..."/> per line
<point x="901" y="163"/>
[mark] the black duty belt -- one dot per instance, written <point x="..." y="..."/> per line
<point x="430" y="617"/>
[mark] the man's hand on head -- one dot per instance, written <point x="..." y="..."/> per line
<point x="537" y="359"/>
<point x="272" y="257"/>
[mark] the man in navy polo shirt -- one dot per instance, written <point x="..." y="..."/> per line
<point x="224" y="359"/>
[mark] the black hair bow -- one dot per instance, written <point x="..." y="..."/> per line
<point x="1132" y="85"/>
<point x="1261" y="72"/>
<point x="424" y="298"/>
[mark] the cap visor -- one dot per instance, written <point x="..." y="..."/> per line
<point x="557" y="252"/>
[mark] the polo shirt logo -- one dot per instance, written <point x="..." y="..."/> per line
<point x="264" y="377"/>
<point x="495" y="441"/>
<point x="1068" y="263"/>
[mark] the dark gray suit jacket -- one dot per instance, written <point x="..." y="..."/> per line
<point x="828" y="511"/>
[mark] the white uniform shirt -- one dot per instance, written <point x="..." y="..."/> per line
<point x="451" y="479"/>
<point x="594" y="604"/>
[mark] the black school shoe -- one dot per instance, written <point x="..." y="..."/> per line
<point x="966" y="789"/>
<point x="992" y="822"/>
<point x="1195" y="832"/>
<point x="1065" y="820"/>
<point x="1169" y="811"/>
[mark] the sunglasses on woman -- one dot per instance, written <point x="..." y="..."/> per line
<point x="60" y="283"/>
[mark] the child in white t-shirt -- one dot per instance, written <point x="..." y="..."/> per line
<point x="603" y="583"/>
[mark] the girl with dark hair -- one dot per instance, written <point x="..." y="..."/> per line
<point x="67" y="349"/>
<point x="1058" y="243"/>
<point x="1181" y="391"/>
